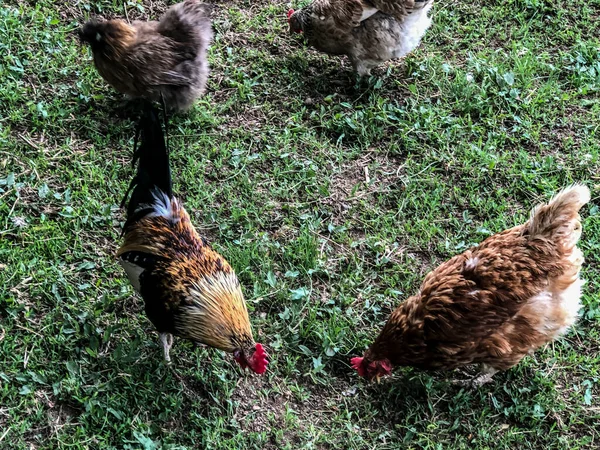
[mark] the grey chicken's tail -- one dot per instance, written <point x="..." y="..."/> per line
<point x="153" y="176"/>
<point x="188" y="22"/>
<point x="558" y="220"/>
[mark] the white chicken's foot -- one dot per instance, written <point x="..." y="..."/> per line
<point x="167" y="341"/>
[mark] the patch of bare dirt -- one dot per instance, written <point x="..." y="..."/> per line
<point x="59" y="415"/>
<point x="566" y="132"/>
<point x="361" y="181"/>
<point x="263" y="405"/>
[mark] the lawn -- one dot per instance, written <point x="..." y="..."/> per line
<point x="331" y="200"/>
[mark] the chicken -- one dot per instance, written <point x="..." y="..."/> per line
<point x="369" y="32"/>
<point x="493" y="304"/>
<point x="189" y="290"/>
<point x="162" y="60"/>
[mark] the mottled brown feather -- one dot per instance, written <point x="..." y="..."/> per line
<point x="398" y="8"/>
<point x="195" y="284"/>
<point x="496" y="302"/>
<point x="368" y="36"/>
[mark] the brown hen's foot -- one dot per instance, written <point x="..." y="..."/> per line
<point x="477" y="381"/>
<point x="482" y="379"/>
<point x="167" y="341"/>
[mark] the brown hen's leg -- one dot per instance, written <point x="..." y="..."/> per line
<point x="487" y="372"/>
<point x="486" y="375"/>
<point x="167" y="341"/>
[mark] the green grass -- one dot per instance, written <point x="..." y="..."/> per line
<point x="497" y="110"/>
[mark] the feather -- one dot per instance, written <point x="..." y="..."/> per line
<point x="152" y="186"/>
<point x="495" y="303"/>
<point x="189" y="290"/>
<point x="157" y="61"/>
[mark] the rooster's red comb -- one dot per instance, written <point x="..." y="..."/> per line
<point x="259" y="360"/>
<point x="289" y="14"/>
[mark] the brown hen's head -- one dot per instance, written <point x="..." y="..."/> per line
<point x="103" y="35"/>
<point x="371" y="369"/>
<point x="295" y="21"/>
<point x="257" y="362"/>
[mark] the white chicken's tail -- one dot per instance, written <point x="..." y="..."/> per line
<point x="559" y="219"/>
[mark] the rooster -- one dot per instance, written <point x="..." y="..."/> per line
<point x="494" y="304"/>
<point x="189" y="290"/>
<point x="369" y="32"/>
<point x="156" y="60"/>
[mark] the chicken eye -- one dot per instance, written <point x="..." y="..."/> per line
<point x="98" y="37"/>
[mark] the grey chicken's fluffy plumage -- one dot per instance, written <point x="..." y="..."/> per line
<point x="163" y="60"/>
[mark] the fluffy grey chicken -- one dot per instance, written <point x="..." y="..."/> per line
<point x="161" y="60"/>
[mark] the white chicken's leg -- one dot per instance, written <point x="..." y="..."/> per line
<point x="362" y="68"/>
<point x="167" y="341"/>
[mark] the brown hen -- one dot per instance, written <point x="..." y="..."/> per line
<point x="161" y="60"/>
<point x="189" y="290"/>
<point x="493" y="304"/>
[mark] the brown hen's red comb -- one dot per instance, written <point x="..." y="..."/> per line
<point x="356" y="363"/>
<point x="259" y="360"/>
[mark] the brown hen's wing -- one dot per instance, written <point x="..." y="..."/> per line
<point x="471" y="296"/>
<point x="399" y="8"/>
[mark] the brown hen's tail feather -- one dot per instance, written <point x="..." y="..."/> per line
<point x="559" y="219"/>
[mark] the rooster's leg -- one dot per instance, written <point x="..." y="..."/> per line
<point x="167" y="341"/>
